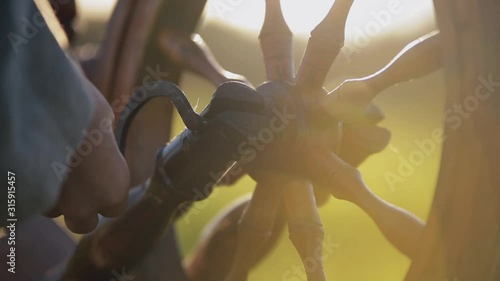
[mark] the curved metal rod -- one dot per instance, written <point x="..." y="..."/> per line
<point x="143" y="95"/>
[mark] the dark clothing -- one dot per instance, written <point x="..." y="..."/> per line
<point x="44" y="107"/>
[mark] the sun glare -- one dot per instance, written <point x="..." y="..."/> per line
<point x="302" y="16"/>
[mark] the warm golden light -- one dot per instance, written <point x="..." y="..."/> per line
<point x="302" y="16"/>
<point x="376" y="31"/>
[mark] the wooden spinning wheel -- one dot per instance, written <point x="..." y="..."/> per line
<point x="462" y="237"/>
<point x="461" y="240"/>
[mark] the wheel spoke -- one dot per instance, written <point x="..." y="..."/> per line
<point x="256" y="226"/>
<point x="306" y="230"/>
<point x="276" y="43"/>
<point x="401" y="228"/>
<point x="322" y="49"/>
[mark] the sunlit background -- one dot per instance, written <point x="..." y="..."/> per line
<point x="301" y="16"/>
<point x="413" y="109"/>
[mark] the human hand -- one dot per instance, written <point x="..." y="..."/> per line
<point x="100" y="183"/>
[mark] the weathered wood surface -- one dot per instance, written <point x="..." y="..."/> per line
<point x="462" y="239"/>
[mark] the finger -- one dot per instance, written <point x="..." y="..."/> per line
<point x="81" y="225"/>
<point x="115" y="210"/>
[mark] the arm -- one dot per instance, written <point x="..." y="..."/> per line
<point x="54" y="137"/>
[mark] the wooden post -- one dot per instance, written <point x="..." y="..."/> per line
<point x="461" y="241"/>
